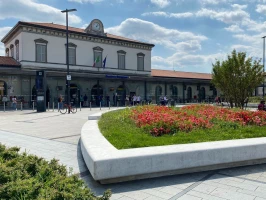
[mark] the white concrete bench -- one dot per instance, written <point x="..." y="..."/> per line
<point x="107" y="164"/>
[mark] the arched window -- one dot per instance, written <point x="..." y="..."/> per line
<point x="174" y="92"/>
<point x="189" y="93"/>
<point x="17" y="49"/>
<point x="12" y="50"/>
<point x="41" y="50"/>
<point x="158" y="93"/>
<point x="7" y="52"/>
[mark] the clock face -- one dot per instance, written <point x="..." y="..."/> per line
<point x="96" y="26"/>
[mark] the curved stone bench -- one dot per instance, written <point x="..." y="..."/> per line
<point x="108" y="164"/>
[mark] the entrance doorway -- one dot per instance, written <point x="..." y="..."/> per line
<point x="96" y="95"/>
<point x="121" y="95"/>
<point x="189" y="94"/>
<point x="202" y="94"/>
<point x="174" y="93"/>
<point x="158" y="94"/>
<point x="74" y="94"/>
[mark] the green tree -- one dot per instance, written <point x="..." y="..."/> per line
<point x="237" y="77"/>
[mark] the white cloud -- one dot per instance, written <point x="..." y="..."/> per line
<point x="29" y="10"/>
<point x="184" y="44"/>
<point x="86" y="1"/>
<point x="261" y="9"/>
<point x="187" y="62"/>
<point x="228" y="17"/>
<point x="239" y="7"/>
<point x="3" y="32"/>
<point x="234" y="29"/>
<point x="169" y="15"/>
<point x="161" y="3"/>
<point x="149" y="32"/>
<point x="214" y="2"/>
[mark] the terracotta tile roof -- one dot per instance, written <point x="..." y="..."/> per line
<point x="8" y="61"/>
<point x="80" y="30"/>
<point x="178" y="74"/>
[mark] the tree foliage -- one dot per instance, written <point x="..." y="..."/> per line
<point x="237" y="77"/>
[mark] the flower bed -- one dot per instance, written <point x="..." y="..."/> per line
<point x="160" y="120"/>
<point x="141" y="126"/>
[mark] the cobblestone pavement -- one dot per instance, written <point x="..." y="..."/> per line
<point x="52" y="135"/>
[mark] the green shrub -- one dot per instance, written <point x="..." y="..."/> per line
<point x="25" y="176"/>
<point x="255" y="99"/>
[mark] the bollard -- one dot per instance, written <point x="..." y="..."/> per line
<point x="117" y="104"/>
<point x="109" y="105"/>
<point x="100" y="105"/>
<point x="33" y="105"/>
<point x="90" y="105"/>
<point x="133" y="103"/>
<point x="58" y="106"/>
<point x="53" y="106"/>
<point x="4" y="106"/>
<point x="20" y="106"/>
<point x="48" y="106"/>
<point x="79" y="106"/>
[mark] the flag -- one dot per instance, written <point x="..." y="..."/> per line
<point x="96" y="60"/>
<point x="104" y="61"/>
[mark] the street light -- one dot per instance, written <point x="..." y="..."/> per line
<point x="263" y="92"/>
<point x="67" y="57"/>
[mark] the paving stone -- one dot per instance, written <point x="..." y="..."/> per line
<point x="242" y="185"/>
<point x="218" y="185"/>
<point x="257" y="193"/>
<point x="189" y="197"/>
<point x="116" y="196"/>
<point x="138" y="195"/>
<point x="203" y="195"/>
<point x="125" y="198"/>
<point x="258" y="198"/>
<point x="227" y="194"/>
<point x="157" y="193"/>
<point x="205" y="188"/>
<point x="170" y="190"/>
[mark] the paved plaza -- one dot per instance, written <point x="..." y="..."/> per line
<point x="53" y="135"/>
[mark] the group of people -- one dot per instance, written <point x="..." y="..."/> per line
<point x="163" y="101"/>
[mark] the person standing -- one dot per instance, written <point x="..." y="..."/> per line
<point x="261" y="106"/>
<point x="107" y="100"/>
<point x="85" y="98"/>
<point x="165" y="100"/>
<point x="60" y="101"/>
<point x="138" y="99"/>
<point x="134" y="100"/>
<point x="14" y="103"/>
<point x="81" y="99"/>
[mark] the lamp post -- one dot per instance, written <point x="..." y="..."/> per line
<point x="263" y="91"/>
<point x="67" y="57"/>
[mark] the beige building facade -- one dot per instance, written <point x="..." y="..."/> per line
<point x="127" y="71"/>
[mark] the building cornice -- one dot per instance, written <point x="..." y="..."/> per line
<point x="39" y="29"/>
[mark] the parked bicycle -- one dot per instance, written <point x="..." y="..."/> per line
<point x="68" y="108"/>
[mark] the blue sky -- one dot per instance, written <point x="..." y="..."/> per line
<point x="188" y="34"/>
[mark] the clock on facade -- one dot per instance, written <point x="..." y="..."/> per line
<point x="96" y="26"/>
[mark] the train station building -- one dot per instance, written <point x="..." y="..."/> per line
<point x="101" y="64"/>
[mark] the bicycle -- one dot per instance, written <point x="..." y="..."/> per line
<point x="68" y="108"/>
